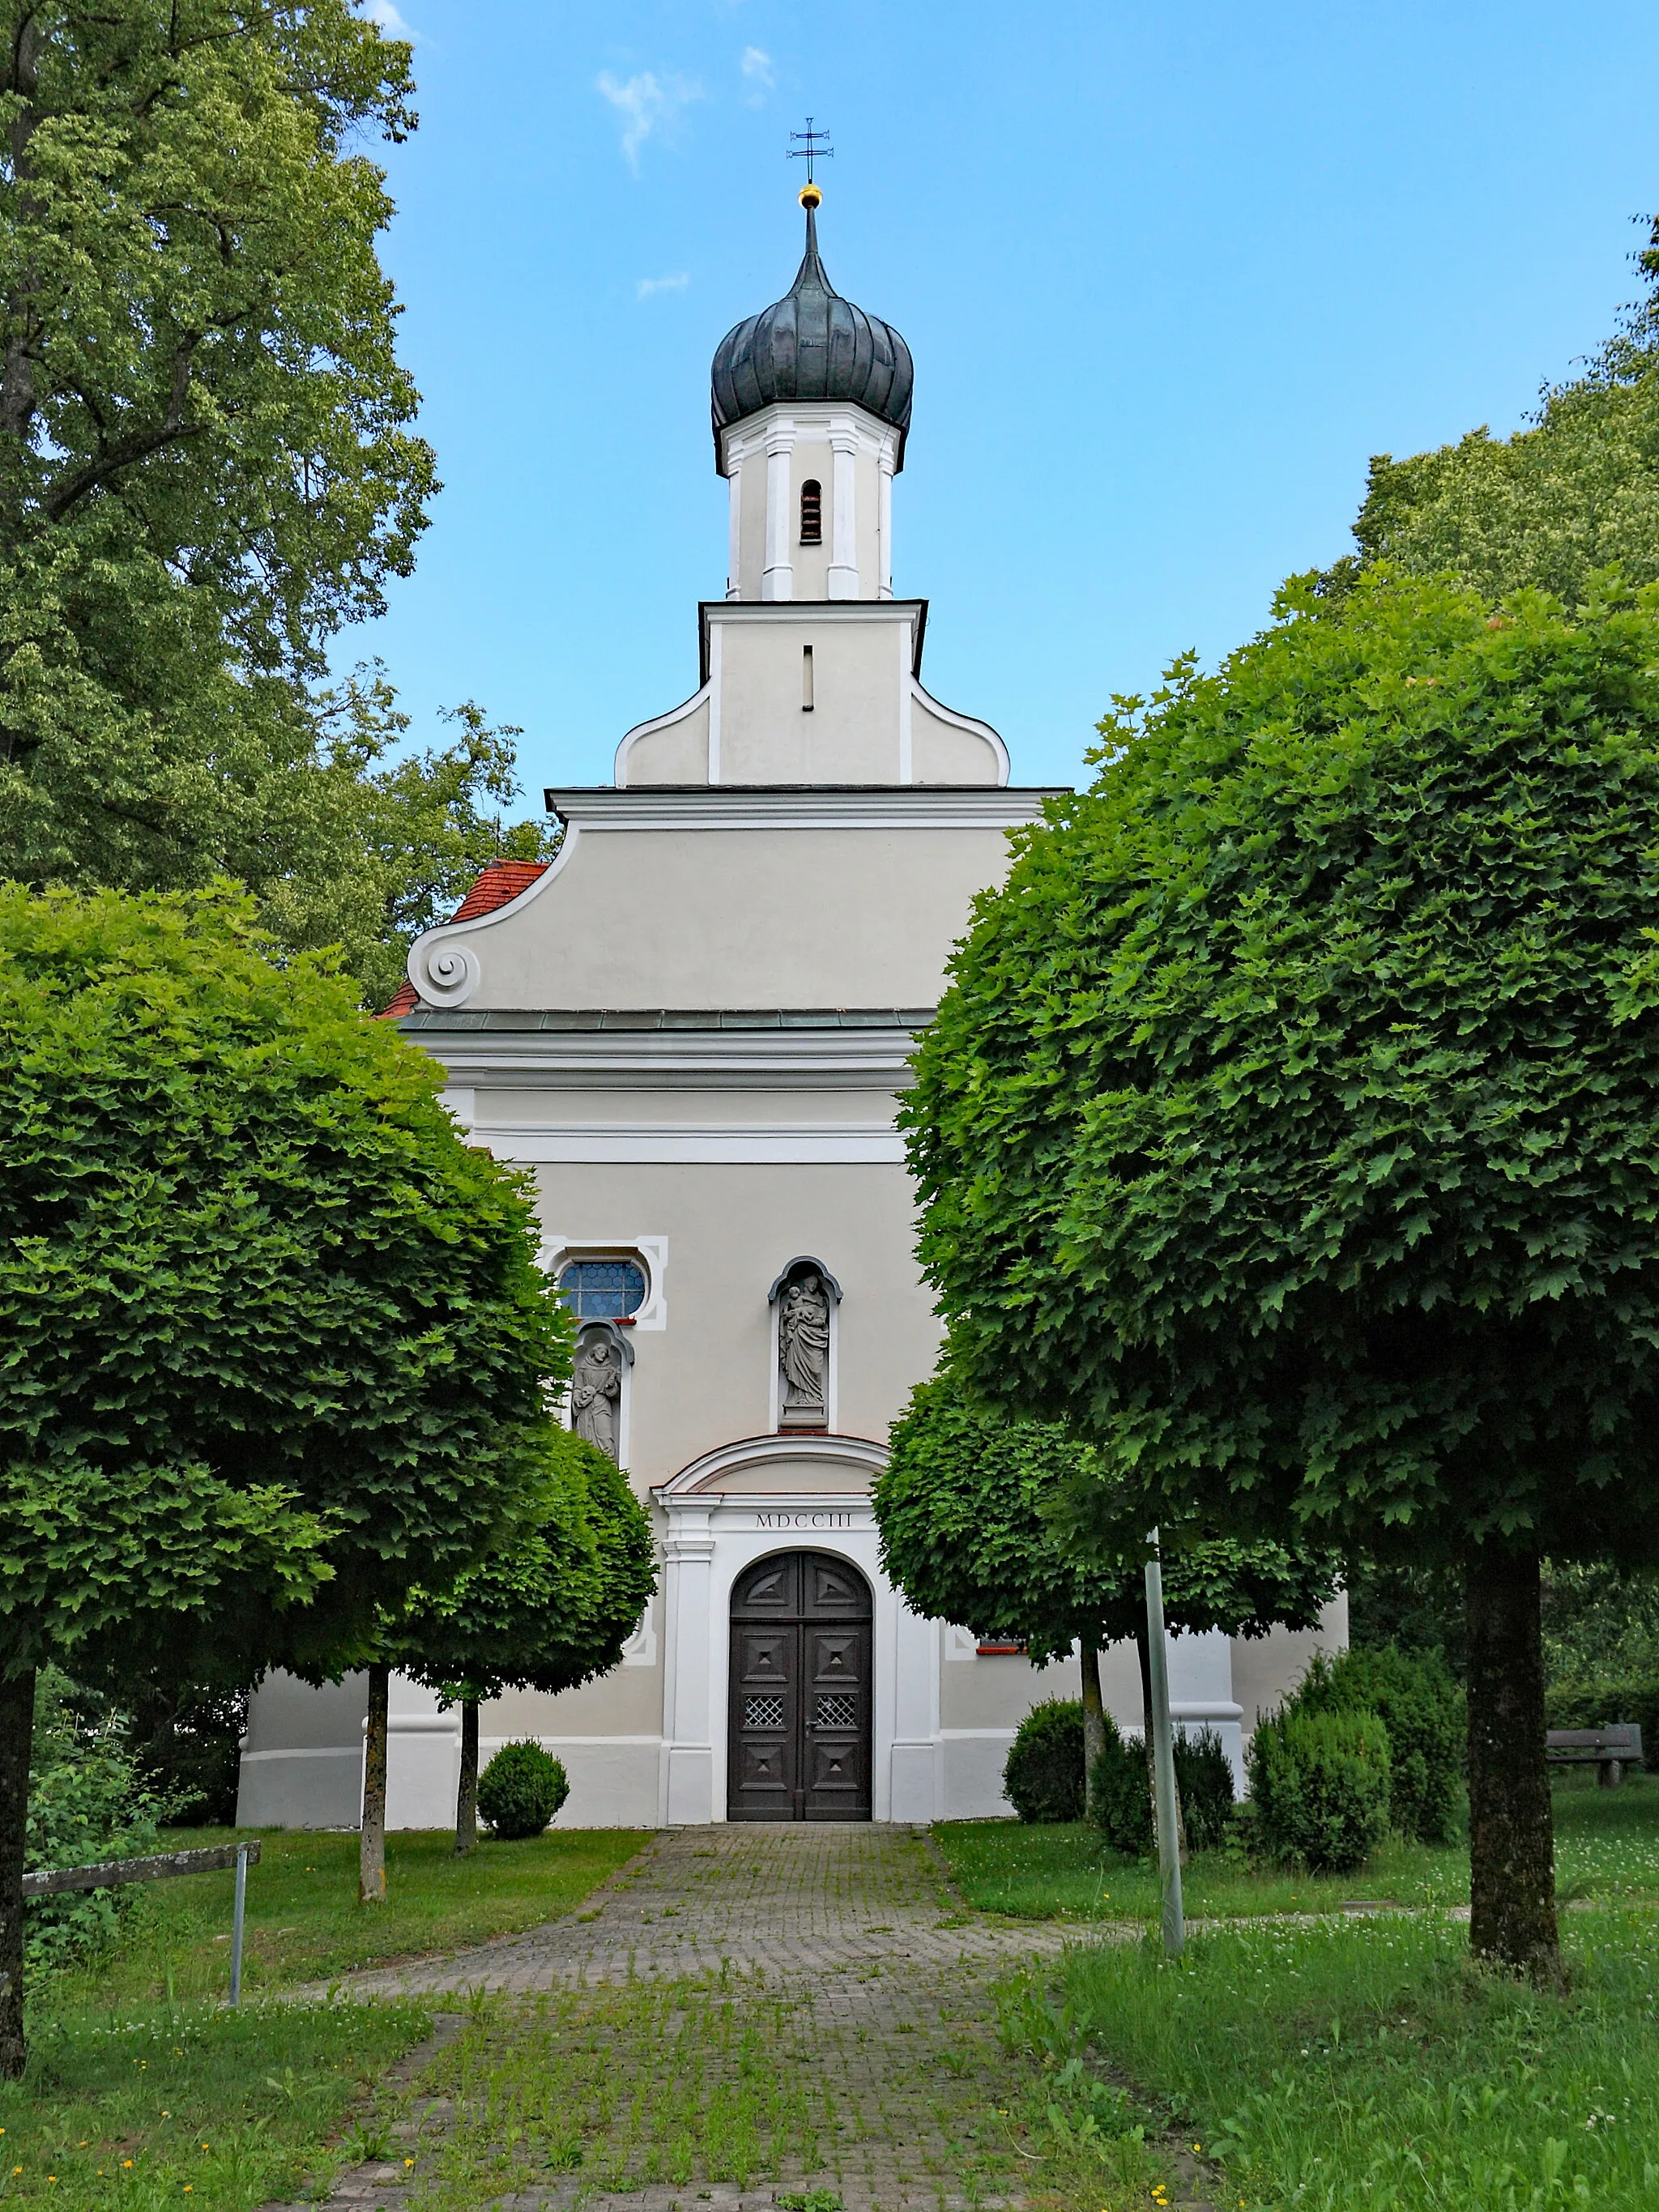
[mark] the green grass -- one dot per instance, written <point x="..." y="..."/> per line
<point x="1363" y="2066"/>
<point x="146" y="2104"/>
<point x="1606" y="1850"/>
<point x="304" y="1924"/>
<point x="142" y="2088"/>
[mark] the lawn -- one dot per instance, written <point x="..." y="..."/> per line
<point x="1363" y="2066"/>
<point x="142" y="2088"/>
<point x="304" y="1923"/>
<point x="1606" y="1850"/>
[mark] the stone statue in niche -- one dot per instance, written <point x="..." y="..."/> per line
<point x="595" y="1392"/>
<point x="803" y="1355"/>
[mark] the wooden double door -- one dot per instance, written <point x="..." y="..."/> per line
<point x="800" y="1705"/>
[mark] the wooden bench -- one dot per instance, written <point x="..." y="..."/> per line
<point x="1609" y="1750"/>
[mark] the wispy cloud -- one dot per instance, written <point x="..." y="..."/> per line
<point x="759" y="74"/>
<point x="647" y="286"/>
<point x="383" y="13"/>
<point x="647" y="103"/>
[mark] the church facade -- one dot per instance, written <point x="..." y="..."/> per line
<point x="692" y="1028"/>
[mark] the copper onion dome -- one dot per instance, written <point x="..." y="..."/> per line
<point x="813" y="344"/>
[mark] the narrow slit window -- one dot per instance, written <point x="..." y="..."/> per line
<point x="812" y="512"/>
<point x="806" y="679"/>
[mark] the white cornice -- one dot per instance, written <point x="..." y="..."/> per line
<point x="805" y="418"/>
<point x="798" y="806"/>
<point x="693" y="1144"/>
<point x="827" y="1059"/>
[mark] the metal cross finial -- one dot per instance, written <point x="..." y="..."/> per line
<point x="813" y="146"/>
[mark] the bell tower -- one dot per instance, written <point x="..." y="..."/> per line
<point x="810" y="407"/>
<point x="811" y="670"/>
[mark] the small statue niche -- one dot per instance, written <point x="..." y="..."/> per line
<point x="603" y="1358"/>
<point x="806" y="1295"/>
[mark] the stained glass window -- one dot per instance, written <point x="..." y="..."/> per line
<point x="602" y="1290"/>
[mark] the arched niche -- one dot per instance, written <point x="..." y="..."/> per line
<point x="600" y="1386"/>
<point x="806" y="1305"/>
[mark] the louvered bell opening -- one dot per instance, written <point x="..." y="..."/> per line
<point x="812" y="512"/>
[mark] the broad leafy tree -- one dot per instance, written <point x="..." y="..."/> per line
<point x="209" y="467"/>
<point x="1289" y="1127"/>
<point x="1577" y="491"/>
<point x="548" y="1610"/>
<point x="274" y="1346"/>
<point x="1015" y="1529"/>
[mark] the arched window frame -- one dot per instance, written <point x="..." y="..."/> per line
<point x="804" y="1263"/>
<point x="811" y="512"/>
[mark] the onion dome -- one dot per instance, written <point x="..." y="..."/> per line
<point x="813" y="344"/>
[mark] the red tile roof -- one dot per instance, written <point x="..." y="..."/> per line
<point x="500" y="882"/>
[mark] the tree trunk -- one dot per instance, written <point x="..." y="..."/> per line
<point x="1144" y="1653"/>
<point x="1512" y="1844"/>
<point x="16" y="1741"/>
<point x="466" y="1796"/>
<point x="371" y="1844"/>
<point x="1094" y="1719"/>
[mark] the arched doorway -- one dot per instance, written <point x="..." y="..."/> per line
<point x="799" y="1697"/>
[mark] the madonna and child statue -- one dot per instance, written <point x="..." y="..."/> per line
<point x="803" y="1355"/>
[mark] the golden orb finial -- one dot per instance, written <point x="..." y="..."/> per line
<point x="810" y="197"/>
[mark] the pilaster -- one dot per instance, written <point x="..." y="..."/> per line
<point x="688" y="1778"/>
<point x="778" y="577"/>
<point x="885" y="524"/>
<point x="843" y="580"/>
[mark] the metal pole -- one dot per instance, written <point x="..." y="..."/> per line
<point x="1164" y="1781"/>
<point x="236" y="1925"/>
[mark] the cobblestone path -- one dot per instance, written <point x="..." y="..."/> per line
<point x="777" y="1902"/>
<point x="740" y="2015"/>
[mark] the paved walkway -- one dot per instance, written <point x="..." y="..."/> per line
<point x="740" y="2015"/>
<point x="763" y="1901"/>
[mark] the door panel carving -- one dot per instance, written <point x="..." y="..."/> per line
<point x="800" y="1720"/>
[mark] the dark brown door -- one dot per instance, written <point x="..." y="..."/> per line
<point x="800" y="1725"/>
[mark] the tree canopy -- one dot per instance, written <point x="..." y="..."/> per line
<point x="1576" y="491"/>
<point x="552" y="1607"/>
<point x="1287" y="1126"/>
<point x="209" y="467"/>
<point x="274" y="1344"/>
<point x="968" y="1507"/>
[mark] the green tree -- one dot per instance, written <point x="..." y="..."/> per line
<point x="1576" y="491"/>
<point x="273" y="1341"/>
<point x="1288" y="1126"/>
<point x="413" y="830"/>
<point x="1015" y="1529"/>
<point x="207" y="466"/>
<point x="547" y="1612"/>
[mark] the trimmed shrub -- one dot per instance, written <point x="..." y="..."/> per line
<point x="1043" y="1775"/>
<point x="521" y="1789"/>
<point x="1120" y="1797"/>
<point x="1320" y="1785"/>
<point x="1423" y="1710"/>
<point x="1580" y="1703"/>
<point x="1204" y="1776"/>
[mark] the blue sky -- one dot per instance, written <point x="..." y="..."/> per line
<point x="1170" y="275"/>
